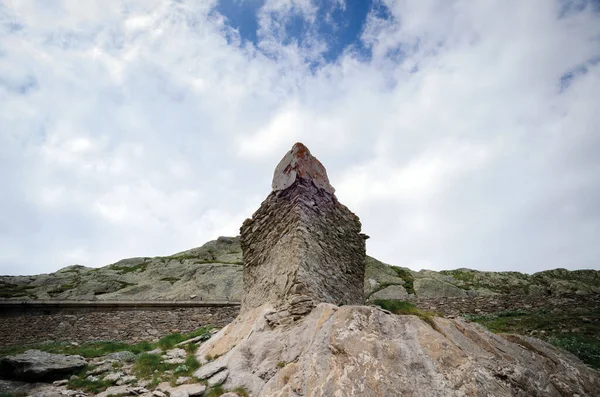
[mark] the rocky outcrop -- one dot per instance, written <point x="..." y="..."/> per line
<point x="364" y="351"/>
<point x="213" y="272"/>
<point x="302" y="242"/>
<point x="282" y="344"/>
<point x="36" y="365"/>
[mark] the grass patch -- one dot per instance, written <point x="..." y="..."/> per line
<point x="14" y="290"/>
<point x="147" y="365"/>
<point x="169" y="341"/>
<point x="407" y="277"/>
<point x="577" y="330"/>
<point x="87" y="350"/>
<point x="172" y="280"/>
<point x="215" y="391"/>
<point x="406" y="308"/>
<point x="241" y="392"/>
<point x="584" y="347"/>
<point x="141" y="267"/>
<point x="81" y="383"/>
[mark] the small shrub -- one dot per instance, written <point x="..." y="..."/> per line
<point x="406" y="308"/>
<point x="587" y="351"/>
<point x="215" y="391"/>
<point x="281" y="364"/>
<point x="240" y="391"/>
<point x="146" y="364"/>
<point x="169" y="341"/>
<point x="192" y="363"/>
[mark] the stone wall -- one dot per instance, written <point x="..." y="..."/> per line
<point x="302" y="242"/>
<point x="129" y="325"/>
<point x="452" y="306"/>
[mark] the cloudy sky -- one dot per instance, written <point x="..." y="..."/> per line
<point x="462" y="133"/>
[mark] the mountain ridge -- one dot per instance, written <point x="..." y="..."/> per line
<point x="213" y="271"/>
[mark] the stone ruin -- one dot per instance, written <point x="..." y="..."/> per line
<point x="302" y="244"/>
<point x="303" y="331"/>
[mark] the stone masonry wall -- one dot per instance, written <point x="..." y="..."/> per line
<point x="452" y="306"/>
<point x="302" y="241"/>
<point x="32" y="327"/>
<point x="302" y="244"/>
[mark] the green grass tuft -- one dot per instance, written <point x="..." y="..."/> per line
<point x="407" y="277"/>
<point x="87" y="350"/>
<point x="147" y="364"/>
<point x="406" y="308"/>
<point x="215" y="391"/>
<point x="576" y="330"/>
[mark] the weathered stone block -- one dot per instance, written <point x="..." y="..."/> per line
<point x="302" y="240"/>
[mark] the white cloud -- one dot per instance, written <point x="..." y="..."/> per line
<point x="147" y="128"/>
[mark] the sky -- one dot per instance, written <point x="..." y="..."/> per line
<point x="462" y="133"/>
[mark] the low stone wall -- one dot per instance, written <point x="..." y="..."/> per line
<point x="453" y="306"/>
<point x="31" y="325"/>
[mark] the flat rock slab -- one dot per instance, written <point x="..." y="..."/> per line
<point x="36" y="365"/>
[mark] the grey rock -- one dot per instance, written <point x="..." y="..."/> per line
<point x="126" y="356"/>
<point x="393" y="292"/>
<point x="364" y="351"/>
<point x="113" y="377"/>
<point x="432" y="288"/>
<point x="126" y="380"/>
<point x="182" y="379"/>
<point x="36" y="365"/>
<point x="218" y="379"/>
<point x="211" y="368"/>
<point x="100" y="369"/>
<point x="187" y="390"/>
<point x="115" y="391"/>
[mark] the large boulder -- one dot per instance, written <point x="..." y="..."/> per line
<point x="432" y="288"/>
<point x="364" y="351"/>
<point x="36" y="365"/>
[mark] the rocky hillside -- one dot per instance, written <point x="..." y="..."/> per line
<point x="213" y="272"/>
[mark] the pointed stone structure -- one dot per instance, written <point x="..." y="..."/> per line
<point x="302" y="245"/>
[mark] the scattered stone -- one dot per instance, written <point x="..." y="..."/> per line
<point x="126" y="356"/>
<point x="36" y="365"/>
<point x="61" y="382"/>
<point x="182" y="379"/>
<point x="158" y="393"/>
<point x="196" y="389"/>
<point x="158" y="350"/>
<point x="100" y="369"/>
<point x="113" y="377"/>
<point x="175" y="353"/>
<point x="164" y="386"/>
<point x="143" y="382"/>
<point x="92" y="378"/>
<point x="126" y="380"/>
<point x="175" y="356"/>
<point x="115" y="391"/>
<point x="137" y="391"/>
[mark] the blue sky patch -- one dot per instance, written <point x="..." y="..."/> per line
<point x="340" y="26"/>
